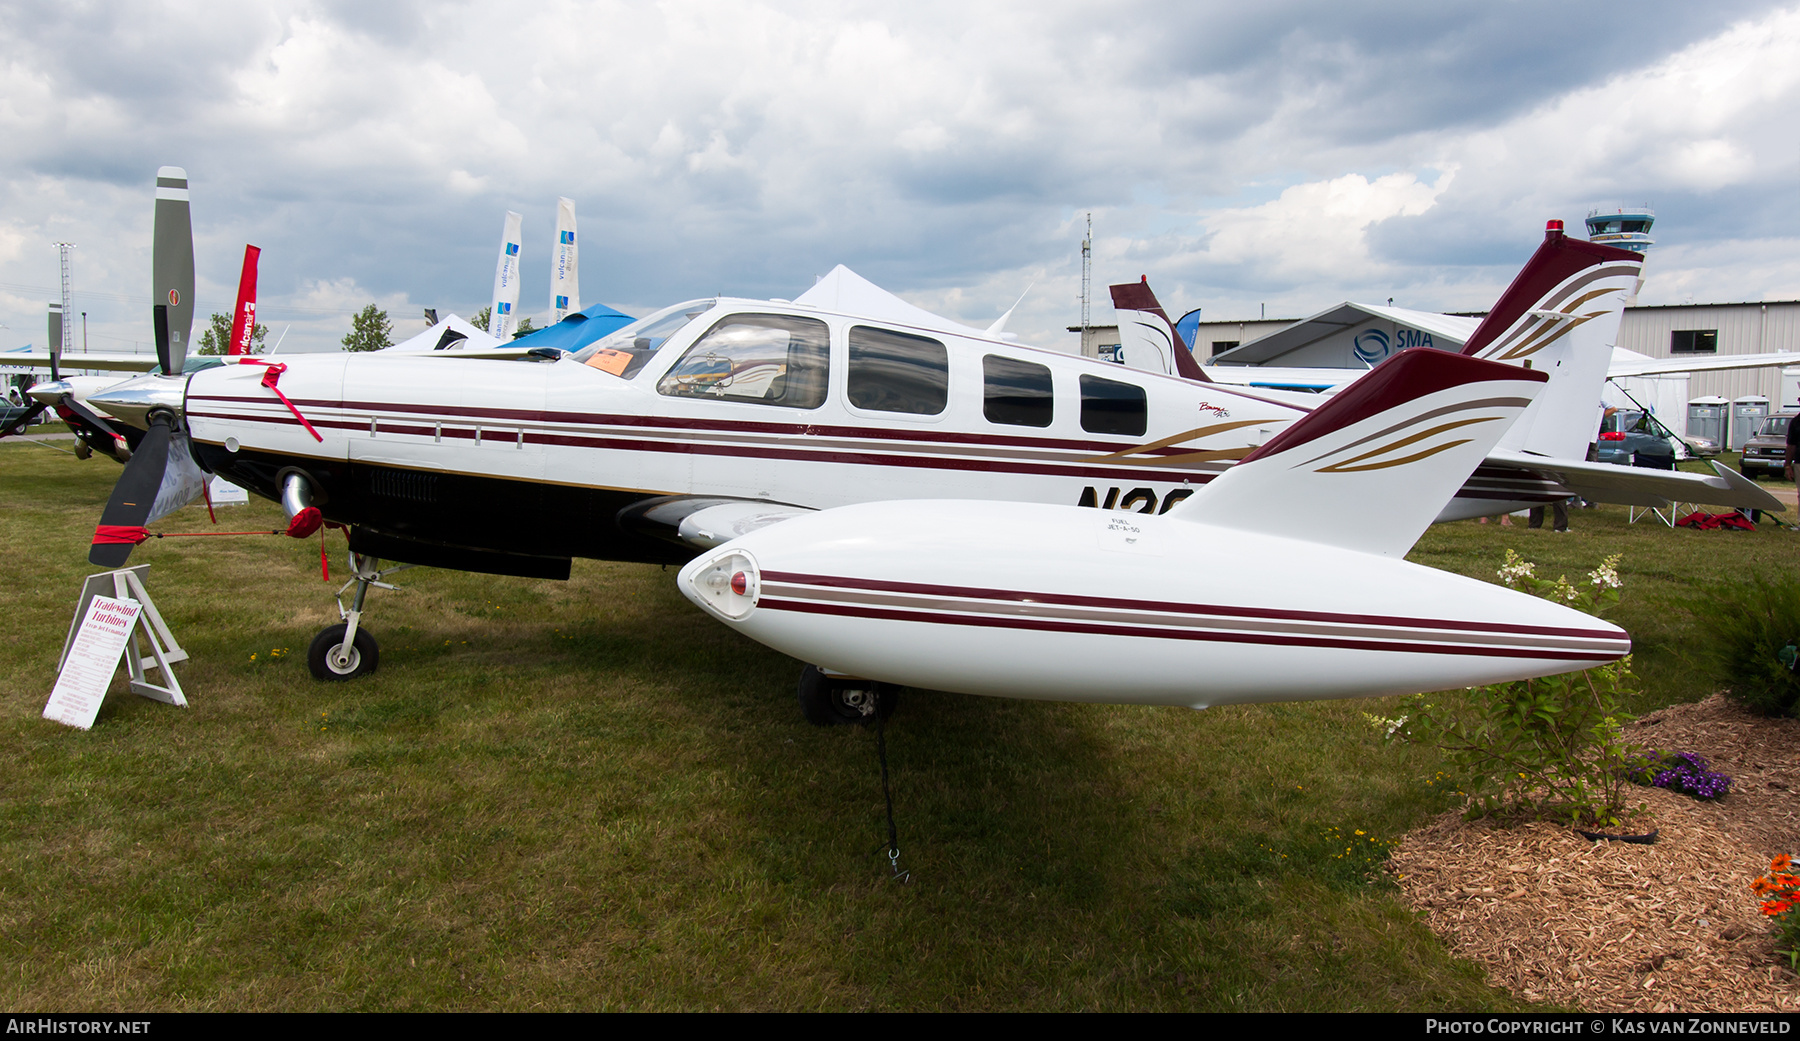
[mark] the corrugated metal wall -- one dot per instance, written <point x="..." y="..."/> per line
<point x="1742" y="328"/>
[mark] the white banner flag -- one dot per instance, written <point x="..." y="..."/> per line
<point x="501" y="319"/>
<point x="565" y="264"/>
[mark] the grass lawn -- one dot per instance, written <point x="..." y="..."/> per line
<point x="585" y="795"/>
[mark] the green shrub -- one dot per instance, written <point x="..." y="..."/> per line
<point x="1546" y="747"/>
<point x="1744" y="627"/>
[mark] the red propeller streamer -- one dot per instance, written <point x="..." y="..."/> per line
<point x="270" y="376"/>
<point x="305" y="523"/>
<point x="119" y="534"/>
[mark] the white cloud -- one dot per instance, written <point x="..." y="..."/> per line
<point x="1314" y="230"/>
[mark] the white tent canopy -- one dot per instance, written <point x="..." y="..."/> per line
<point x="846" y="291"/>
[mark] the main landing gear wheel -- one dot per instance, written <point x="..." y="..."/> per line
<point x="828" y="701"/>
<point x="329" y="659"/>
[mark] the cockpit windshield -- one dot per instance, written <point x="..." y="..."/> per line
<point x="625" y="351"/>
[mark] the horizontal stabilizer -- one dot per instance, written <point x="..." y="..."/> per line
<point x="1630" y="363"/>
<point x="1370" y="468"/>
<point x="1609" y="482"/>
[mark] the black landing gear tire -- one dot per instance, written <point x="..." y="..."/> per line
<point x="322" y="656"/>
<point x="828" y="702"/>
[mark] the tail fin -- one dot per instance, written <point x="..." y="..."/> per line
<point x="1372" y="467"/>
<point x="1560" y="316"/>
<point x="1148" y="338"/>
<point x="243" y="320"/>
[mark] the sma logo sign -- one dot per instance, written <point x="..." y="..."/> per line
<point x="1373" y="345"/>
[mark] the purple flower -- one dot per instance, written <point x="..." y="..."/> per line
<point x="1689" y="772"/>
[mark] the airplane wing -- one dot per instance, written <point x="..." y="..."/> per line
<point x="1637" y="486"/>
<point x="80" y="362"/>
<point x="1688" y="363"/>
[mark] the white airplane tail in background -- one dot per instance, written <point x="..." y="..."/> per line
<point x="1146" y="336"/>
<point x="1560" y="316"/>
<point x="1371" y="467"/>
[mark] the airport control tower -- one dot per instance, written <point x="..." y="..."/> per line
<point x="1626" y="227"/>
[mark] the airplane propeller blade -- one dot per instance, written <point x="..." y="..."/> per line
<point x="23" y="422"/>
<point x="56" y="334"/>
<point x="92" y="432"/>
<point x="88" y="417"/>
<point x="122" y="522"/>
<point x="172" y="258"/>
<point x="165" y="355"/>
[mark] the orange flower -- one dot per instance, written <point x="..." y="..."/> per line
<point x="1781" y="863"/>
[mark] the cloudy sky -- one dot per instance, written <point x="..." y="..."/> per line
<point x="1283" y="154"/>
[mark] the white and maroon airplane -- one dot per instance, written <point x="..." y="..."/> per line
<point x="713" y="419"/>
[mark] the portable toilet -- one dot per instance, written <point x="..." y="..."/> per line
<point x="1706" y="418"/>
<point x="1747" y="415"/>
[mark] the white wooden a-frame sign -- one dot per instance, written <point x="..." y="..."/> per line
<point x="128" y="584"/>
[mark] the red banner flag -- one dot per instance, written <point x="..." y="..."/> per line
<point x="243" y="320"/>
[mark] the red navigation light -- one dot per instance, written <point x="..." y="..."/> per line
<point x="740" y="582"/>
<point x="1553" y="225"/>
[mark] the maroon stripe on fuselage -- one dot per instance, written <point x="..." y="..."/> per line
<point x="1072" y="600"/>
<point x="1025" y="467"/>
<point x="1093" y="629"/>
<point x="675" y="423"/>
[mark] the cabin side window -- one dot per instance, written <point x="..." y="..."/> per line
<point x="764" y="358"/>
<point x="1016" y="392"/>
<point x="897" y="372"/>
<point x="1111" y="407"/>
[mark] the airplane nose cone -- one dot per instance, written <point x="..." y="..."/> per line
<point x="134" y="400"/>
<point x="51" y="392"/>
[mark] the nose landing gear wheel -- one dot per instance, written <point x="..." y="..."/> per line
<point x="329" y="659"/>
<point x="828" y="701"/>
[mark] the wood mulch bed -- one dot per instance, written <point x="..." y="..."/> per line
<point x="1611" y="926"/>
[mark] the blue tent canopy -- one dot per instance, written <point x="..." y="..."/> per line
<point x="578" y="330"/>
<point x="1188" y="327"/>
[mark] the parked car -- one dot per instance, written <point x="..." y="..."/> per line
<point x="1766" y="451"/>
<point x="1702" y="447"/>
<point x="1632" y="438"/>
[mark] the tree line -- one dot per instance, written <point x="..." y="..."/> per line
<point x="370" y="330"/>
